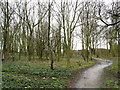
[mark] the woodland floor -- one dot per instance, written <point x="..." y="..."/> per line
<point x="37" y="74"/>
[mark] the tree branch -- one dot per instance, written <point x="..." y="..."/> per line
<point x="105" y="22"/>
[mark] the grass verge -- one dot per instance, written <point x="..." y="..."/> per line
<point x="112" y="74"/>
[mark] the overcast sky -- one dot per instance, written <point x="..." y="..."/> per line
<point x="77" y="42"/>
<point x="106" y="1"/>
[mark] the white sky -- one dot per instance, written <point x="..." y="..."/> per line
<point x="106" y="1"/>
<point x="77" y="42"/>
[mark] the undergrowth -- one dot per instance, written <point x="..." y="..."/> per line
<point x="37" y="74"/>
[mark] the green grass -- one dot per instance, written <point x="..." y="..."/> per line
<point x="111" y="80"/>
<point x="37" y="74"/>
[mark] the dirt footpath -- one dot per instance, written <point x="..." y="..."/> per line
<point x="91" y="77"/>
